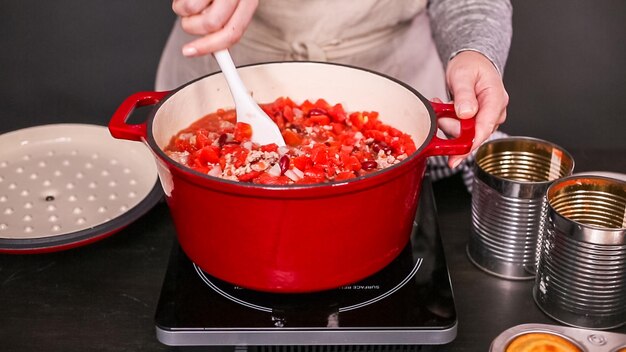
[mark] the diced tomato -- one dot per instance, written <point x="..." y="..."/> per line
<point x="322" y="104"/>
<point x="202" y="138"/>
<point x="229" y="115"/>
<point x="350" y="162"/>
<point x="338" y="128"/>
<point x="337" y="113"/>
<point x="279" y="120"/>
<point x="302" y="162"/>
<point x="377" y="135"/>
<point x="288" y="102"/>
<point x="319" y="155"/>
<point x="319" y="120"/>
<point x="315" y="172"/>
<point x="272" y="147"/>
<point x="347" y="148"/>
<point x="267" y="108"/>
<point x="288" y="113"/>
<point x="230" y="148"/>
<point x="372" y="115"/>
<point x="344" y="176"/>
<point x="307" y="180"/>
<point x="409" y="145"/>
<point x="181" y="145"/>
<point x="209" y="154"/>
<point x="306" y="106"/>
<point x="394" y="132"/>
<point x="291" y="138"/>
<point x="199" y="165"/>
<point x="267" y="179"/>
<point x="348" y="139"/>
<point x="281" y="102"/>
<point x="333" y="150"/>
<point x="249" y="176"/>
<point x="357" y="119"/>
<point x="243" y="132"/>
<point x="201" y="169"/>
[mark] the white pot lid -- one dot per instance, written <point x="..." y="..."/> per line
<point x="66" y="185"/>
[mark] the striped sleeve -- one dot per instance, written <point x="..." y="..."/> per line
<point x="484" y="26"/>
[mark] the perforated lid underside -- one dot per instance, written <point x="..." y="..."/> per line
<point x="60" y="179"/>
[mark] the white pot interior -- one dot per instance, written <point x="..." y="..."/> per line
<point x="356" y="89"/>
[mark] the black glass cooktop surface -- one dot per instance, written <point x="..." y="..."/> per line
<point x="408" y="302"/>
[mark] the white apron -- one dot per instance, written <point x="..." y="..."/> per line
<point x="387" y="36"/>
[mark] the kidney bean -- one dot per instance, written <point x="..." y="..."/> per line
<point x="378" y="146"/>
<point x="317" y="112"/>
<point x="296" y="128"/>
<point x="368" y="165"/>
<point x="222" y="140"/>
<point x="283" y="162"/>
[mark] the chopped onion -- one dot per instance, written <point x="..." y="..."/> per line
<point x="298" y="172"/>
<point x="292" y="175"/>
<point x="225" y="125"/>
<point x="185" y="136"/>
<point x="259" y="166"/>
<point x="216" y="171"/>
<point x="247" y="145"/>
<point x="274" y="170"/>
<point x="282" y="150"/>
<point x="181" y="157"/>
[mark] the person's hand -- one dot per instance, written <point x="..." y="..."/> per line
<point x="219" y="23"/>
<point x="478" y="91"/>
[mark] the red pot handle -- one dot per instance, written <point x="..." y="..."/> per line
<point x="456" y="146"/>
<point x="136" y="132"/>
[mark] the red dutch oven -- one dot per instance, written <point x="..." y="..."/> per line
<point x="296" y="238"/>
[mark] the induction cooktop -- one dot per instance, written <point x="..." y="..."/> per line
<point x="409" y="302"/>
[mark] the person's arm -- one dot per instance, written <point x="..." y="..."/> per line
<point x="473" y="38"/>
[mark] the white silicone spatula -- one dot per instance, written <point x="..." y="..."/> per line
<point x="264" y="130"/>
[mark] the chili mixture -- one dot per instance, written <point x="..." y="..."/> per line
<point x="324" y="144"/>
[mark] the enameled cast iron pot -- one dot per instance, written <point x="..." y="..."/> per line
<point x="298" y="238"/>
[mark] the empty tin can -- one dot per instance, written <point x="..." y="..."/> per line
<point x="581" y="273"/>
<point x="511" y="177"/>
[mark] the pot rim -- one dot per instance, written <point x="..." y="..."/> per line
<point x="360" y="182"/>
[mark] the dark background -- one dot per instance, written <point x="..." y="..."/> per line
<point x="76" y="61"/>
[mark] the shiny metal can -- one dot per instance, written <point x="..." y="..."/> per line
<point x="511" y="177"/>
<point x="581" y="272"/>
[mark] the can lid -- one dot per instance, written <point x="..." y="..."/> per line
<point x="66" y="185"/>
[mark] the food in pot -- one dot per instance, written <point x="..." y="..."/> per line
<point x="324" y="143"/>
<point x="541" y="342"/>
